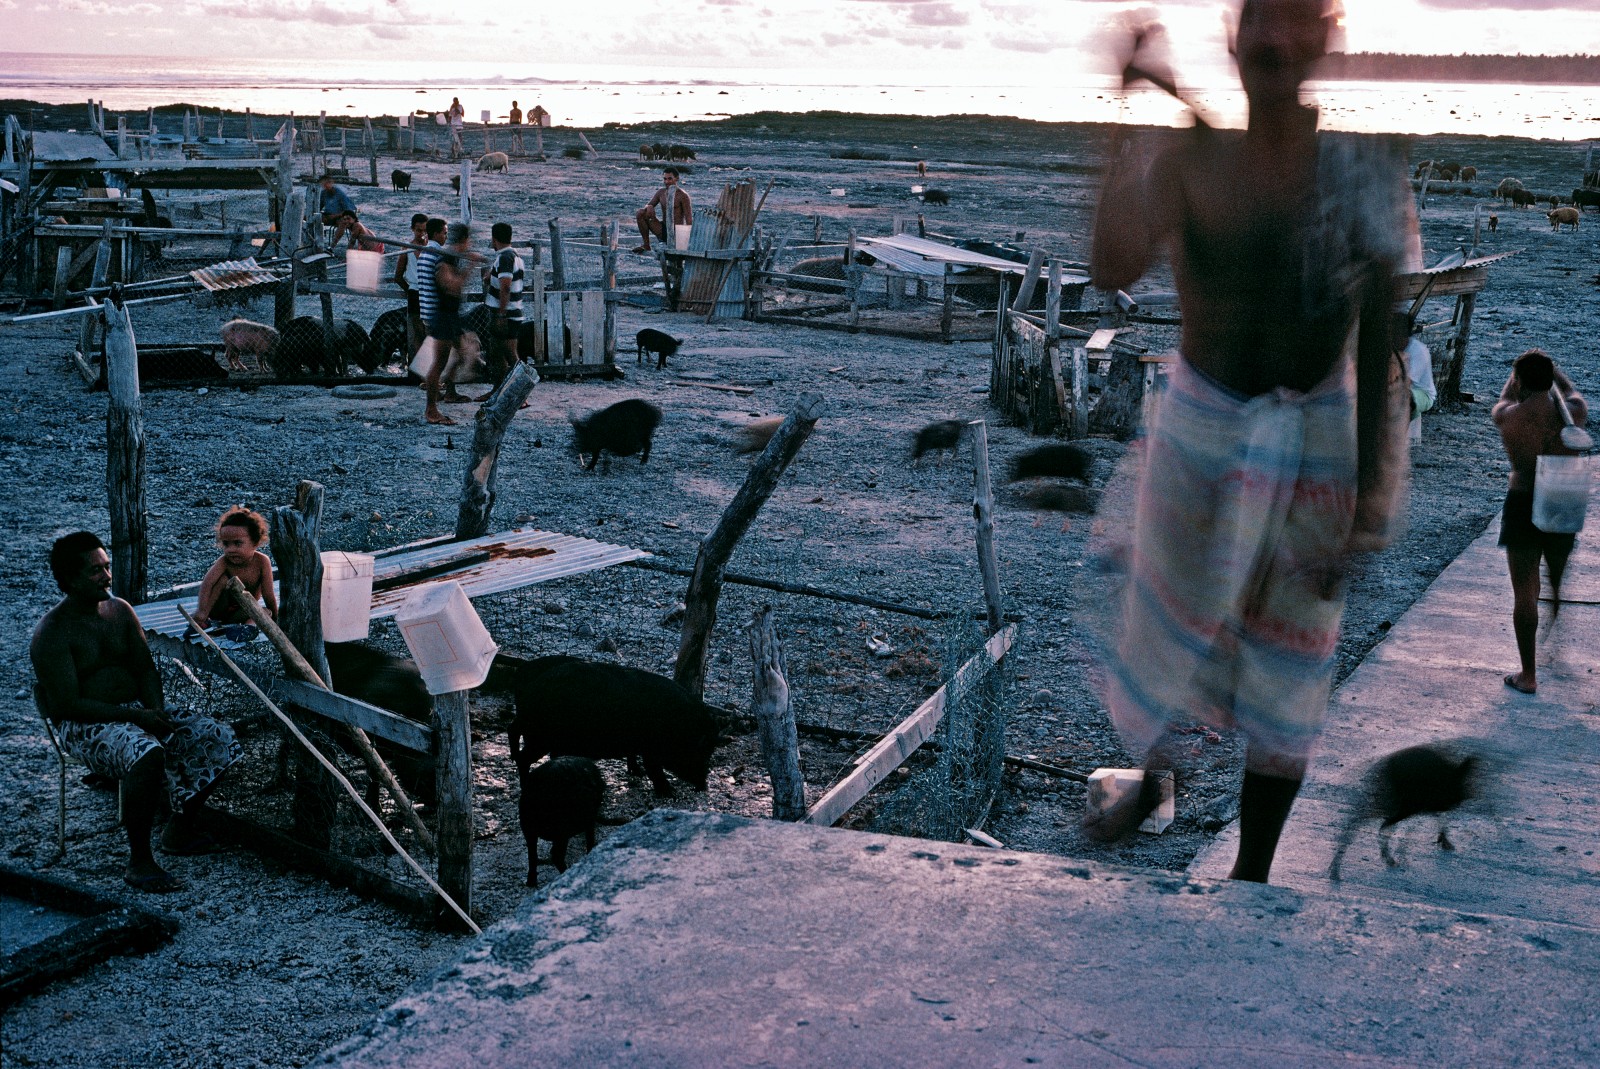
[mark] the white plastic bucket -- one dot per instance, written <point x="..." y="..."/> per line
<point x="346" y="596"/>
<point x="680" y="235"/>
<point x="1561" y="494"/>
<point x="361" y="270"/>
<point x="451" y="646"/>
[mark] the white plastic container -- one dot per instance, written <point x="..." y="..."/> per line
<point x="1560" y="494"/>
<point x="451" y="646"/>
<point x="1107" y="786"/>
<point x="680" y="235"/>
<point x="361" y="270"/>
<point x="346" y="596"/>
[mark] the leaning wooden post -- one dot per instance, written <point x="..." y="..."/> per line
<point x="494" y="416"/>
<point x="102" y="271"/>
<point x="452" y="736"/>
<point x="853" y="278"/>
<point x="700" y="602"/>
<point x="130" y="541"/>
<point x="122" y="137"/>
<point x="769" y="703"/>
<point x="983" y="515"/>
<point x="1450" y="388"/>
<point x="466" y="191"/>
<point x="296" y="532"/>
<point x="283" y="183"/>
<point x="947" y="307"/>
<point x="1030" y="281"/>
<point x="1080" y="392"/>
<point x="558" y="257"/>
<point x="608" y="271"/>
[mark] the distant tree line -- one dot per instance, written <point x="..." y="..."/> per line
<point x="1401" y="67"/>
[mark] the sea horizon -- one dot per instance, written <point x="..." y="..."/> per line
<point x="589" y="96"/>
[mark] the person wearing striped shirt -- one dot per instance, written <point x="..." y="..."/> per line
<point x="502" y="289"/>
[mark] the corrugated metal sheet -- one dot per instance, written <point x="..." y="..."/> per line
<point x="233" y="274"/>
<point x="919" y="256"/>
<point x="517" y="559"/>
<point x="52" y="146"/>
<point x="727" y="225"/>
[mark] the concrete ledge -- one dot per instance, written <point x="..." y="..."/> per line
<point x="706" y="940"/>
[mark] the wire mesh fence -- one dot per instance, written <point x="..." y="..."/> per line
<point x="953" y="781"/>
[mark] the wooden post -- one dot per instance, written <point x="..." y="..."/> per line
<point x="296" y="550"/>
<point x="1080" y="394"/>
<point x="152" y="122"/>
<point x="538" y="140"/>
<point x="1030" y="281"/>
<point x="130" y="541"/>
<point x="816" y="230"/>
<point x="58" y="296"/>
<point x="122" y="137"/>
<point x="609" y="238"/>
<point x="947" y="307"/>
<point x="853" y="277"/>
<point x="297" y="665"/>
<point x="249" y="125"/>
<point x="983" y="515"/>
<point x="700" y="602"/>
<point x="283" y="185"/>
<point x="1450" y="387"/>
<point x="1052" y="302"/>
<point x="288" y="245"/>
<point x="372" y="148"/>
<point x="536" y="271"/>
<point x="452" y="734"/>
<point x="558" y="257"/>
<point x="774" y="715"/>
<point x="494" y="416"/>
<point x="466" y="191"/>
<point x="102" y="270"/>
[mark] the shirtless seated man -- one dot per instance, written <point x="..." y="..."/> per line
<point x="99" y="686"/>
<point x="1530" y="426"/>
<point x="682" y="212"/>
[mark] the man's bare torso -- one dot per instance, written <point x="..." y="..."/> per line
<point x="1529" y="429"/>
<point x="100" y="649"/>
<point x="1241" y="214"/>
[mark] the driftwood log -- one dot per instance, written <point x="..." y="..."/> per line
<point x="130" y="540"/>
<point x="296" y="533"/>
<point x="494" y="416"/>
<point x="700" y="602"/>
<point x="769" y="704"/>
<point x="983" y="517"/>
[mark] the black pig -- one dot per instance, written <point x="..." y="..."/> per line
<point x="1058" y="461"/>
<point x="568" y="706"/>
<point x="623" y="429"/>
<point x="400" y="181"/>
<point x="395" y="684"/>
<point x="946" y="434"/>
<point x="1418" y="779"/>
<point x="659" y="342"/>
<point x="560" y="799"/>
<point x="301" y="347"/>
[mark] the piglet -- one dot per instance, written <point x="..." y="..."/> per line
<point x="1418" y="779"/>
<point x="560" y="798"/>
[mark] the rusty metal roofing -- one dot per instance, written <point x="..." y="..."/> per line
<point x="233" y="275"/>
<point x="56" y="146"/>
<point x="919" y="256"/>
<point x="517" y="559"/>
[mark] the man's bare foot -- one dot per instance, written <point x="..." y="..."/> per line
<point x="435" y="416"/>
<point x="1522" y="683"/>
<point x="641" y="249"/>
<point x="1126" y="814"/>
<point x="151" y="878"/>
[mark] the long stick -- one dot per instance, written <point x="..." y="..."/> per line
<point x="377" y="768"/>
<point x="355" y="795"/>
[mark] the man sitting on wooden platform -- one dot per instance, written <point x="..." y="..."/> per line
<point x="99" y="687"/>
<point x="681" y="213"/>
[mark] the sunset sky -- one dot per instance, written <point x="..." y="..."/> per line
<point x="933" y="39"/>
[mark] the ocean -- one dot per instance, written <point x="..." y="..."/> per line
<point x="591" y="96"/>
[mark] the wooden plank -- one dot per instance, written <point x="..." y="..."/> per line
<point x="555" y="327"/>
<point x="1100" y="340"/>
<point x="379" y="723"/>
<point x="593" y="309"/>
<point x="902" y="742"/>
<point x="740" y="390"/>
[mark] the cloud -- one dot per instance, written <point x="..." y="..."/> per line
<point x="8" y="5"/>
<point x="938" y="14"/>
<point x="315" y="11"/>
<point x="1504" y="5"/>
<point x="386" y="32"/>
<point x="98" y="9"/>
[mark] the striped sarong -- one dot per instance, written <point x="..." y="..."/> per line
<point x="1233" y="594"/>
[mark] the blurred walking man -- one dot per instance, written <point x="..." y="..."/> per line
<point x="1278" y="450"/>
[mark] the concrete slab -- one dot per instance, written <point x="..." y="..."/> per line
<point x="1529" y="850"/>
<point x="707" y="940"/>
